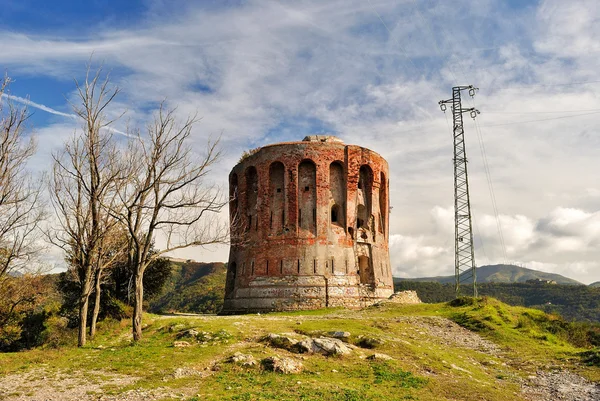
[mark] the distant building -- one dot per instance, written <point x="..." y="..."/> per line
<point x="540" y="281"/>
<point x="310" y="227"/>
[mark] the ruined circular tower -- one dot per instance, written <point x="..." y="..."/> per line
<point x="309" y="227"/>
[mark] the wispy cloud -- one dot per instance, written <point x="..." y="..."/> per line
<point x="50" y="110"/>
<point x="47" y="109"/>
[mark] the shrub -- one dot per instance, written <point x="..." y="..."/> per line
<point x="463" y="301"/>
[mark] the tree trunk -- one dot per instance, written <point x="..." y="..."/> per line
<point x="83" y="312"/>
<point x="137" y="306"/>
<point x="96" y="304"/>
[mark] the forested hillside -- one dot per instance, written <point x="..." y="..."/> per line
<point x="572" y="302"/>
<point x="193" y="288"/>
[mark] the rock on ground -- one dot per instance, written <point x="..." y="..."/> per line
<point x="282" y="365"/>
<point x="379" y="357"/>
<point x="405" y="297"/>
<point x="324" y="346"/>
<point x="242" y="359"/>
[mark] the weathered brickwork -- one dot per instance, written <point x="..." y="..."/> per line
<point x="309" y="228"/>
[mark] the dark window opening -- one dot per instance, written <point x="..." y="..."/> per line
<point x="267" y="267"/>
<point x="281" y="267"/>
<point x="315" y="216"/>
<point x="271" y="221"/>
<point x="335" y="214"/>
<point x="298" y="266"/>
<point x="332" y="268"/>
<point x="315" y="266"/>
<point x="360" y="223"/>
<point x="253" y="268"/>
<point x="306" y="189"/>
<point x="278" y="190"/>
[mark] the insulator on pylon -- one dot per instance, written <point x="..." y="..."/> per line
<point x="443" y="107"/>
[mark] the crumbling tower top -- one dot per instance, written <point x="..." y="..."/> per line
<point x="322" y="138"/>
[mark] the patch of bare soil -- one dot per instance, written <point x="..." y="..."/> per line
<point x="559" y="386"/>
<point x="39" y="384"/>
<point x="450" y="333"/>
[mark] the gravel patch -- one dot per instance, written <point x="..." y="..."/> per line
<point x="559" y="386"/>
<point x="39" y="384"/>
<point x="450" y="333"/>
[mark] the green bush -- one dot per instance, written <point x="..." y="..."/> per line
<point x="591" y="358"/>
<point x="463" y="301"/>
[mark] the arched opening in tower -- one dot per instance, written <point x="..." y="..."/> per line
<point x="362" y="217"/>
<point x="365" y="270"/>
<point x="307" y="197"/>
<point x="277" y="198"/>
<point x="365" y="193"/>
<point x="251" y="198"/>
<point x="383" y="203"/>
<point x="337" y="194"/>
<point x="336" y="212"/>
<point x="231" y="275"/>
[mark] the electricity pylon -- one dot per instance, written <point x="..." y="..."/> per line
<point x="464" y="254"/>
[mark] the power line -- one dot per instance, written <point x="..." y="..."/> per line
<point x="539" y="120"/>
<point x="540" y="112"/>
<point x="488" y="175"/>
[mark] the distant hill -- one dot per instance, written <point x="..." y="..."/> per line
<point x="596" y="284"/>
<point x="502" y="274"/>
<point x="194" y="287"/>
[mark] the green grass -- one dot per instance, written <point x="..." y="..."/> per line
<point x="423" y="366"/>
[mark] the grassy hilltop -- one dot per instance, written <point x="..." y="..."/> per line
<point x="432" y="357"/>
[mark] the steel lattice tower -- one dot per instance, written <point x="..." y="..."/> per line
<point x="464" y="255"/>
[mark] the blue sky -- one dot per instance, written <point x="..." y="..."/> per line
<point x="371" y="72"/>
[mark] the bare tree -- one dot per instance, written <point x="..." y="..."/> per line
<point x="168" y="193"/>
<point x="82" y="186"/>
<point x="21" y="209"/>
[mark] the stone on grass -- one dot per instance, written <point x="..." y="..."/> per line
<point x="282" y="365"/>
<point x="242" y="359"/>
<point x="369" y="342"/>
<point x="181" y="344"/>
<point x="325" y="346"/>
<point x="379" y="357"/>
<point x="405" y="297"/>
<point x="339" y="334"/>
<point x="176" y="327"/>
<point x="278" y="341"/>
<point x="191" y="333"/>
